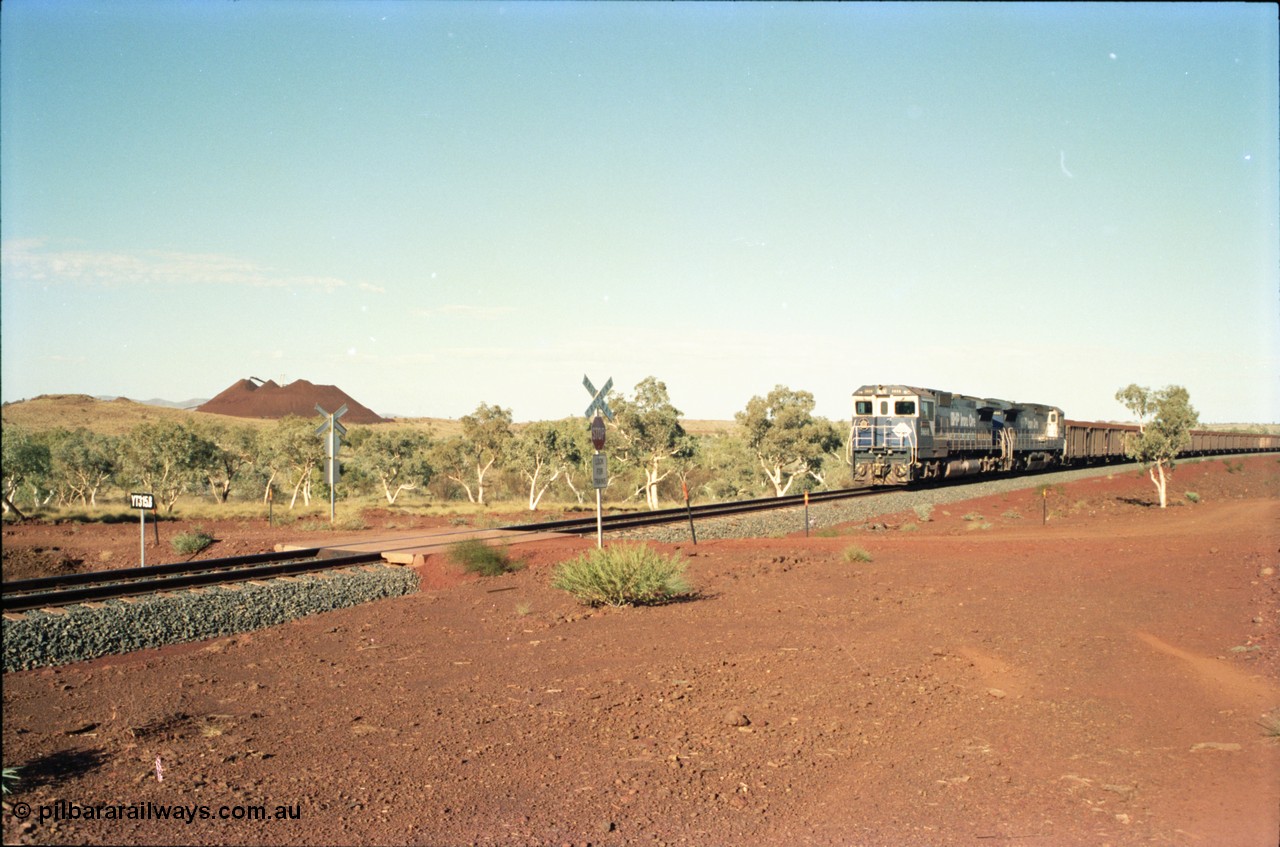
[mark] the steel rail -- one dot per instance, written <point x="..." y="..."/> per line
<point x="42" y="583"/>
<point x="633" y="520"/>
<point x="129" y="583"/>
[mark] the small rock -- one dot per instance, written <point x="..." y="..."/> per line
<point x="997" y="693"/>
<point x="1267" y="571"/>
<point x="733" y="717"/>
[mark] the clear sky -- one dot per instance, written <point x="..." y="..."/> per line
<point x="434" y="204"/>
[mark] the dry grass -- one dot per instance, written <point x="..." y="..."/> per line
<point x="117" y="417"/>
<point x="110" y="417"/>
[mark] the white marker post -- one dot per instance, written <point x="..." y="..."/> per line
<point x="599" y="462"/>
<point x="142" y="502"/>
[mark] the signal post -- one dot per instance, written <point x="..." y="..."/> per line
<point x="599" y="462"/>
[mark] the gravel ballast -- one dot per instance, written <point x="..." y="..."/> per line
<point x="76" y="633"/>
<point x="859" y="509"/>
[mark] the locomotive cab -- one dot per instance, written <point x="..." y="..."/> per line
<point x="892" y="426"/>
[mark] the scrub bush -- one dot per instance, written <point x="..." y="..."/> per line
<point x="190" y="543"/>
<point x="477" y="557"/>
<point x="622" y="575"/>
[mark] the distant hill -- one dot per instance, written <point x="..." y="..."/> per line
<point x="70" y="411"/>
<point x="157" y="401"/>
<point x="250" y="398"/>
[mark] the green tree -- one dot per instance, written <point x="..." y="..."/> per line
<point x="292" y="453"/>
<point x="467" y="459"/>
<point x="26" y="459"/>
<point x="395" y="457"/>
<point x="730" y="468"/>
<point x="545" y="451"/>
<point x="576" y="441"/>
<point x="166" y="459"/>
<point x="83" y="462"/>
<point x="787" y="440"/>
<point x="1165" y="420"/>
<point x="649" y="434"/>
<point x="237" y="452"/>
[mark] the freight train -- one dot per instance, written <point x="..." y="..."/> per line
<point x="902" y="434"/>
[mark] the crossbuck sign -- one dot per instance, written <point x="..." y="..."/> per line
<point x="598" y="402"/>
<point x="331" y="431"/>
<point x="599" y="464"/>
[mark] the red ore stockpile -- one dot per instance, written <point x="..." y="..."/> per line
<point x="253" y="398"/>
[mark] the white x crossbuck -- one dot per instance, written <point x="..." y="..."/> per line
<point x="597" y="398"/>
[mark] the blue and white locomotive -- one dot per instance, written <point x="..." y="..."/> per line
<point x="901" y="434"/>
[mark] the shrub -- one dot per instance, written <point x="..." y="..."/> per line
<point x="972" y="516"/>
<point x="924" y="512"/>
<point x="622" y="575"/>
<point x="190" y="543"/>
<point x="11" y="778"/>
<point x="856" y="554"/>
<point x="477" y="557"/>
<point x="1193" y="497"/>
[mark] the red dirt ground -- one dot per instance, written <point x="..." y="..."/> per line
<point x="1100" y="679"/>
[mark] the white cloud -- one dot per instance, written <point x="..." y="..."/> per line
<point x="31" y="261"/>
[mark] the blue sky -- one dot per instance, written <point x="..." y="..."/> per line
<point x="433" y="204"/>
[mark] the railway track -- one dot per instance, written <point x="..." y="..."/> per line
<point x="43" y="592"/>
<point x="69" y="589"/>
<point x="583" y="526"/>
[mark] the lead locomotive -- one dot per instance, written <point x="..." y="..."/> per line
<point x="902" y="434"/>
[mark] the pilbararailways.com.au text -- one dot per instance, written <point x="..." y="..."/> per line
<point x="63" y="810"/>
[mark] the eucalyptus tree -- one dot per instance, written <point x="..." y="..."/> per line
<point x="239" y="449"/>
<point x="468" y="458"/>
<point x="26" y="460"/>
<point x="576" y="438"/>
<point x="83" y="462"/>
<point x="545" y="451"/>
<point x="787" y="440"/>
<point x="1165" y="420"/>
<point x="649" y="435"/>
<point x="165" y="458"/>
<point x="292" y="453"/>
<point x="729" y="467"/>
<point x="397" y="457"/>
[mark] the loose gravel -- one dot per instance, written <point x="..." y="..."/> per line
<point x="76" y="633"/>
<point x="779" y="522"/>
